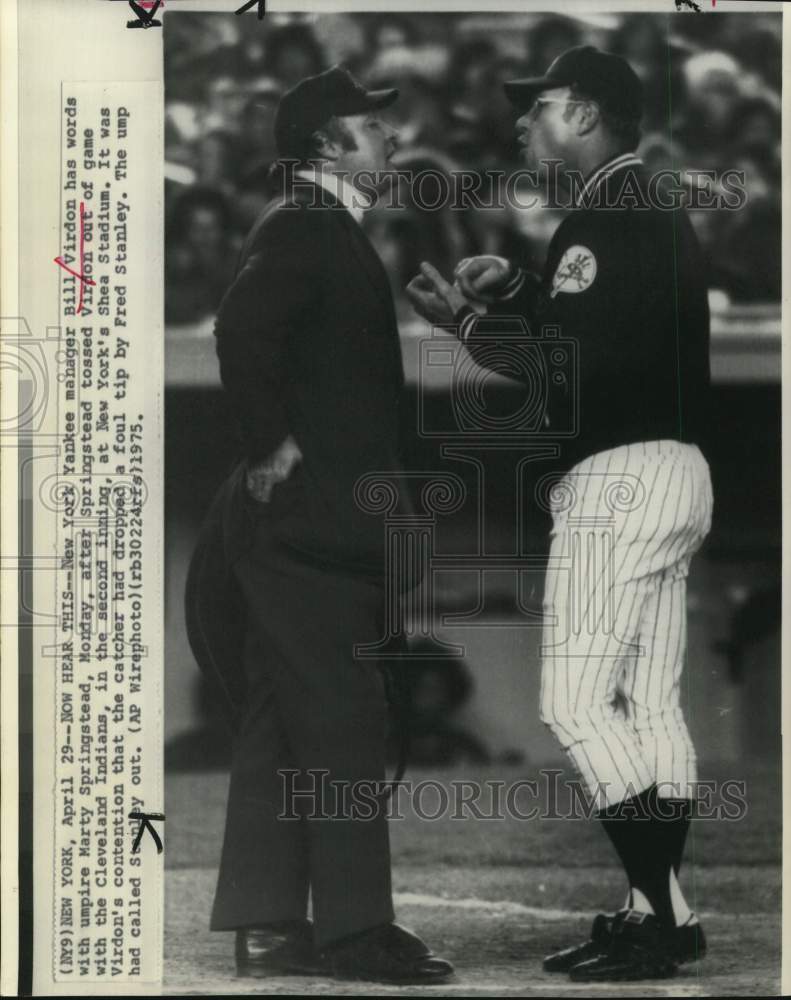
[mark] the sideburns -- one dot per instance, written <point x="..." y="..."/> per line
<point x="340" y="132"/>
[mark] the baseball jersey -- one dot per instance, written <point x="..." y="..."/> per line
<point x="625" y="279"/>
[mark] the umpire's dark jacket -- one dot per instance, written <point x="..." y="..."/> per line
<point x="281" y="593"/>
<point x="625" y="280"/>
<point x="308" y="345"/>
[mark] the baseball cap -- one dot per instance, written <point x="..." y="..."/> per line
<point x="603" y="76"/>
<point x="314" y="100"/>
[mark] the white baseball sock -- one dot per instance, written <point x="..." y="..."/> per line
<point x="681" y="911"/>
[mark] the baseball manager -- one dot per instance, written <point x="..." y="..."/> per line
<point x="624" y="279"/>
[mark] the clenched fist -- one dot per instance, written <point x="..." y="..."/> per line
<point x="483" y="278"/>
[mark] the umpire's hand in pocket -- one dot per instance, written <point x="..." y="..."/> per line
<point x="276" y="468"/>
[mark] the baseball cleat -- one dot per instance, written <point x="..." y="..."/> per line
<point x="601" y="933"/>
<point x="637" y="950"/>
<point x="688" y="945"/>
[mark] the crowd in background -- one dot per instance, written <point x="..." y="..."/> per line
<point x="712" y="102"/>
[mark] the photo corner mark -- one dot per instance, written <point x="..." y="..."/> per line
<point x="146" y="824"/>
<point x="145" y="11"/>
<point x="260" y="6"/>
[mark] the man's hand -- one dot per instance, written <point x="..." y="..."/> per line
<point x="434" y="298"/>
<point x="482" y="278"/>
<point x="261" y="478"/>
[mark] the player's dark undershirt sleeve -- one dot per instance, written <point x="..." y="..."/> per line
<point x="505" y="317"/>
<point x="600" y="316"/>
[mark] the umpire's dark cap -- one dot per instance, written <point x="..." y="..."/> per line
<point x="316" y="99"/>
<point x="602" y="76"/>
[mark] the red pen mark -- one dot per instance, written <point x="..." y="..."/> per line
<point x="78" y="274"/>
<point x="145" y="11"/>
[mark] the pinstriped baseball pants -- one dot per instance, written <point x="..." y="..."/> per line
<point x="626" y="523"/>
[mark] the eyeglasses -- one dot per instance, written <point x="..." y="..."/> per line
<point x="535" y="109"/>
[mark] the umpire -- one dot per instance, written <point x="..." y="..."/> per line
<point x="624" y="279"/>
<point x="288" y="575"/>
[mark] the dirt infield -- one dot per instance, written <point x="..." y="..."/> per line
<point x="495" y="896"/>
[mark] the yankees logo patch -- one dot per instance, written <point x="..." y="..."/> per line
<point x="575" y="272"/>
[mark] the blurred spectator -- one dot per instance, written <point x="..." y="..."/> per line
<point x="751" y="253"/>
<point x="226" y="100"/>
<point x="198" y="49"/>
<point x="658" y="152"/>
<point x="256" y="189"/>
<point x="712" y="101"/>
<point x="201" y="255"/>
<point x="342" y="41"/>
<point x="217" y="160"/>
<point x="749" y="242"/>
<point x="713" y="91"/>
<point x="405" y="237"/>
<point x="252" y="53"/>
<point x="420" y="113"/>
<point x="181" y="131"/>
<point x="472" y="60"/>
<point x="760" y="51"/>
<point x="292" y="53"/>
<point x="483" y="134"/>
<point x="387" y="31"/>
<point x="436" y="690"/>
<point x="548" y="39"/>
<point x="257" y="144"/>
<point x="653" y="55"/>
<point x="755" y="133"/>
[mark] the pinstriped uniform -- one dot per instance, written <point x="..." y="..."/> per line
<point x="625" y="280"/>
<point x="626" y="523"/>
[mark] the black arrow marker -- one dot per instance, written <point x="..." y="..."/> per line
<point x="145" y="18"/>
<point x="145" y="824"/>
<point x="249" y="4"/>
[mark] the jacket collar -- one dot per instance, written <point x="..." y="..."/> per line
<point x="340" y="189"/>
<point x="601" y="175"/>
<point x="341" y="193"/>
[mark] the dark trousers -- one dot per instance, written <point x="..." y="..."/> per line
<point x="313" y="708"/>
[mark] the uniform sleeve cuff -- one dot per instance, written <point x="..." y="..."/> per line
<point x="513" y="286"/>
<point x="465" y="319"/>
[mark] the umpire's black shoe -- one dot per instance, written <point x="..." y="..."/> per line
<point x="277" y="949"/>
<point x="386" y="954"/>
<point x="601" y="932"/>
<point x="689" y="945"/>
<point x="638" y="949"/>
